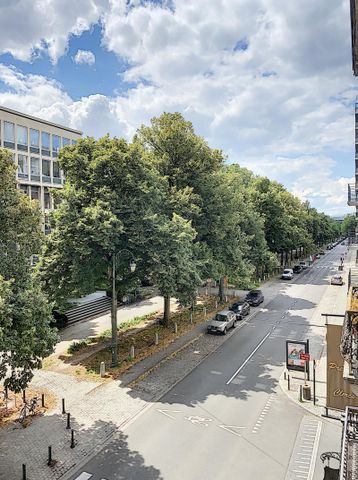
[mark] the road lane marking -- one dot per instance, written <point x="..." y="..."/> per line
<point x="84" y="476"/>
<point x="164" y="412"/>
<point x="248" y="359"/>
<point x="196" y="420"/>
<point x="229" y="428"/>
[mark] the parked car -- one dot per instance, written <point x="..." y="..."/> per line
<point x="322" y="252"/>
<point x="304" y="265"/>
<point x="254" y="297"/>
<point x="297" y="269"/>
<point x="337" y="279"/>
<point x="287" y="274"/>
<point x="241" y="309"/>
<point x="222" y="322"/>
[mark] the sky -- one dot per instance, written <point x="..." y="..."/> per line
<point x="269" y="82"/>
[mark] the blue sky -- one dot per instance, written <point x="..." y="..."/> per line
<point x="269" y="84"/>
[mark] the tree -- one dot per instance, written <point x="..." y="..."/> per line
<point x="348" y="225"/>
<point x="25" y="313"/>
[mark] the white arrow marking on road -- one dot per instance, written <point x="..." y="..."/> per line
<point x="229" y="428"/>
<point x="84" y="476"/>
<point x="164" y="412"/>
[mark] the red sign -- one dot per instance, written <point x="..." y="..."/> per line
<point x="305" y="356"/>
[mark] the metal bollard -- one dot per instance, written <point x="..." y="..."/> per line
<point x="42" y="399"/>
<point x="49" y="461"/>
<point x="156" y="338"/>
<point x="132" y="352"/>
<point x="175" y="328"/>
<point x="102" y="369"/>
<point x="225" y="298"/>
<point x="68" y="426"/>
<point x="191" y="317"/>
<point x="72" y="439"/>
<point x="300" y="394"/>
<point x="24" y="472"/>
<point x="24" y="396"/>
<point x="284" y="375"/>
<point x="206" y="292"/>
<point x="63" y="406"/>
<point x="216" y="304"/>
<point x="204" y="311"/>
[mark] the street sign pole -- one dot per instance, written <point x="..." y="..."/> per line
<point x="314" y="382"/>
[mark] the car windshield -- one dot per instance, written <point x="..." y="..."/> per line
<point x="287" y="271"/>
<point x="221" y="318"/>
<point x="253" y="294"/>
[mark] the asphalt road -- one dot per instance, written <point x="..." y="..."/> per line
<point x="228" y="419"/>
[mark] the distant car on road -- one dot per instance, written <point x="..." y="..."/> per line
<point x="322" y="252"/>
<point x="337" y="279"/>
<point x="297" y="269"/>
<point x="287" y="274"/>
<point x="222" y="322"/>
<point x="255" y="297"/>
<point x="304" y="265"/>
<point x="241" y="309"/>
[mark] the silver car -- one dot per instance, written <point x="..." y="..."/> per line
<point x="222" y="322"/>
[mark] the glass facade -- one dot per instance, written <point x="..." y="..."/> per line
<point x="34" y="141"/>
<point x="47" y="199"/>
<point x="46" y="170"/>
<point x="35" y="193"/>
<point x="66" y="141"/>
<point x="35" y="169"/>
<point x="45" y="143"/>
<point x="56" y="145"/>
<point x="22" y="141"/>
<point x="22" y="166"/>
<point x="9" y="135"/>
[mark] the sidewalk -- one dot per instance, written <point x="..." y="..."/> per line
<point x="336" y="303"/>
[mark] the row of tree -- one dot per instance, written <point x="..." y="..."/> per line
<point x="168" y="200"/>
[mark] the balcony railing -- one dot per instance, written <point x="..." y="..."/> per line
<point x="349" y="464"/>
<point x="352" y="195"/>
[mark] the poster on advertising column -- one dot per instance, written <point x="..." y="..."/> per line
<point x="294" y="350"/>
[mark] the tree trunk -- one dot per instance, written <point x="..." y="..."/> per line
<point x="222" y="289"/>
<point x="166" y="315"/>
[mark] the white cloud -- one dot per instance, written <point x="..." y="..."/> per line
<point x="45" y="25"/>
<point x="283" y="106"/>
<point x="84" y="57"/>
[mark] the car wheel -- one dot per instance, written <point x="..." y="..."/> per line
<point x="224" y="331"/>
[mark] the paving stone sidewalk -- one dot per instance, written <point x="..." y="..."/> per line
<point x="98" y="410"/>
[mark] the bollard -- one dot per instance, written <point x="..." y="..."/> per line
<point x="49" y="461"/>
<point x="300" y="394"/>
<point x="6" y="393"/>
<point x="175" y="327"/>
<point x="68" y="426"/>
<point x="24" y="472"/>
<point x="225" y="298"/>
<point x="206" y="292"/>
<point x="132" y="352"/>
<point x="216" y="304"/>
<point x="72" y="439"/>
<point x="191" y="317"/>
<point x="284" y="375"/>
<point x="102" y="369"/>
<point x="204" y="311"/>
<point x="156" y="338"/>
<point x="42" y="399"/>
<point x="24" y="396"/>
<point x="288" y="382"/>
<point x="63" y="406"/>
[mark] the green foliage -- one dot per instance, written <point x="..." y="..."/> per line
<point x="25" y="312"/>
<point x="348" y="225"/>
<point x="76" y="346"/>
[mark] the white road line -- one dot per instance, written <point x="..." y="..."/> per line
<point x="248" y="358"/>
<point x="84" y="476"/>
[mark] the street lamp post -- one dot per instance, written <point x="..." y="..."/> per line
<point x="132" y="266"/>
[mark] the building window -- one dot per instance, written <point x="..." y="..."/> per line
<point x="34" y="141"/>
<point x="46" y="171"/>
<point x="35" y="193"/>
<point x="66" y="141"/>
<point x="47" y="200"/>
<point x="24" y="189"/>
<point x="9" y="135"/>
<point x="35" y="169"/>
<point x="56" y="173"/>
<point x="56" y="145"/>
<point x="22" y="166"/>
<point x="22" y="141"/>
<point x="74" y="142"/>
<point x="45" y="143"/>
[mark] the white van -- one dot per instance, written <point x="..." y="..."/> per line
<point x="287" y="274"/>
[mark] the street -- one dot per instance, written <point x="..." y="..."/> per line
<point x="229" y="418"/>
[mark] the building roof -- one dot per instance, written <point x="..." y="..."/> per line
<point x="24" y="115"/>
<point x="354" y="34"/>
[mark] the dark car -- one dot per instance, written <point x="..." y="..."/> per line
<point x="297" y="269"/>
<point x="241" y="309"/>
<point x="254" y="297"/>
